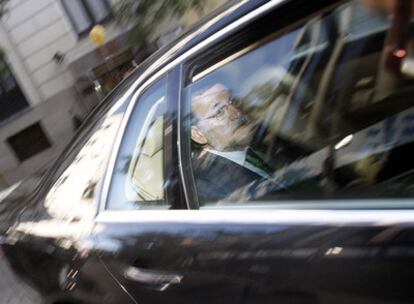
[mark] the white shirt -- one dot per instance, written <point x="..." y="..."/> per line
<point x="239" y="157"/>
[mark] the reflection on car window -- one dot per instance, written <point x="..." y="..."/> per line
<point x="311" y="114"/>
<point x="138" y="178"/>
<point x="73" y="196"/>
<point x="145" y="172"/>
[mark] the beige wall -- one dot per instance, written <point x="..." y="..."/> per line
<point x="55" y="117"/>
<point x="40" y="28"/>
<point x="30" y="34"/>
<point x="18" y="68"/>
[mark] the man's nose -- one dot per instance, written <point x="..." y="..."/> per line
<point x="233" y="112"/>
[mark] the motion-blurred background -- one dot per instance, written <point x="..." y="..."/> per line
<point x="59" y="59"/>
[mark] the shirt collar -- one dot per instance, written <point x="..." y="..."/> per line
<point x="239" y="158"/>
<point x="235" y="156"/>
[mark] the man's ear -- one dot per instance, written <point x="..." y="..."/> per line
<point x="197" y="136"/>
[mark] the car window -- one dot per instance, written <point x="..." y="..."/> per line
<point x="314" y="113"/>
<point x="73" y="195"/>
<point x="138" y="177"/>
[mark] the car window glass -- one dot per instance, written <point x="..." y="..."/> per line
<point x="314" y="113"/>
<point x="138" y="177"/>
<point x="73" y="196"/>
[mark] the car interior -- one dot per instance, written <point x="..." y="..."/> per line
<point x="150" y="186"/>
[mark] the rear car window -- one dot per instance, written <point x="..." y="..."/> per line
<point x="314" y="113"/>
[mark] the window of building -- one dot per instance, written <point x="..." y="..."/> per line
<point x="138" y="177"/>
<point x="312" y="113"/>
<point x="12" y="100"/>
<point x="84" y="14"/>
<point x="29" y="142"/>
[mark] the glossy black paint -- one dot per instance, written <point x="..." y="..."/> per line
<point x="216" y="261"/>
<point x="46" y="250"/>
<point x="175" y="192"/>
<point x="259" y="263"/>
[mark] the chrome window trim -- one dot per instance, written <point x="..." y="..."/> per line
<point x="262" y="217"/>
<point x="140" y="87"/>
<point x="312" y="204"/>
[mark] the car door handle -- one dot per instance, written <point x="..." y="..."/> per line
<point x="152" y="277"/>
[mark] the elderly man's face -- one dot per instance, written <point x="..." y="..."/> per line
<point x="221" y="125"/>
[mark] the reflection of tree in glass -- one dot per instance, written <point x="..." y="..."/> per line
<point x="3" y="8"/>
<point x="146" y="15"/>
<point x="89" y="191"/>
<point x="127" y="163"/>
<point x="267" y="104"/>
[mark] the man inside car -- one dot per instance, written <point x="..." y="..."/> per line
<point x="225" y="161"/>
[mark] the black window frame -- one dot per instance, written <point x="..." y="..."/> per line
<point x="89" y="14"/>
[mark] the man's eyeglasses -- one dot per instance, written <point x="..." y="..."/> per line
<point x="220" y="113"/>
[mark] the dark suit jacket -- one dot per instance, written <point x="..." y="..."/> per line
<point x="217" y="177"/>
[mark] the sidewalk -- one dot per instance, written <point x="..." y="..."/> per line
<point x="11" y="290"/>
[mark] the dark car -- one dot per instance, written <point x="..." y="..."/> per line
<point x="264" y="157"/>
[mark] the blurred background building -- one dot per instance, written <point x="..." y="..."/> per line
<point x="52" y="76"/>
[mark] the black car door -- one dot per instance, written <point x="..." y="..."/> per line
<point x="327" y="218"/>
<point x="262" y="256"/>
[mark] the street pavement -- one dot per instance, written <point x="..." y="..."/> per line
<point x="11" y="290"/>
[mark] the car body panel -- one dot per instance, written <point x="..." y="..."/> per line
<point x="262" y="256"/>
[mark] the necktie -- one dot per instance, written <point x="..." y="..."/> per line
<point x="255" y="160"/>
